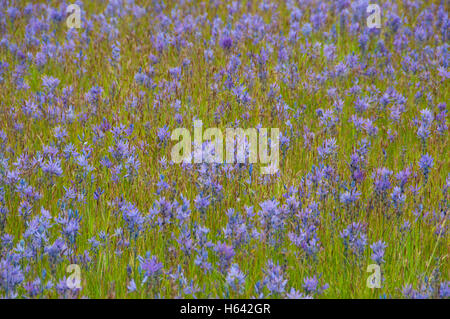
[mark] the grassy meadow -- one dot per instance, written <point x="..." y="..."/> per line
<point x="86" y="175"/>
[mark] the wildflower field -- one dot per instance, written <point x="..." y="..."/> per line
<point x="92" y="204"/>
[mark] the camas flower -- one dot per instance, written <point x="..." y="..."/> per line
<point x="397" y="197"/>
<point x="425" y="163"/>
<point x="50" y="82"/>
<point x="11" y="275"/>
<point x="226" y="254"/>
<point x="312" y="287"/>
<point x="354" y="238"/>
<point x="378" y="252"/>
<point x="52" y="167"/>
<point x="150" y="266"/>
<point x="382" y="180"/>
<point x="226" y="42"/>
<point x="274" y="280"/>
<point x="235" y="279"/>
<point x="295" y="294"/>
<point x="348" y="198"/>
